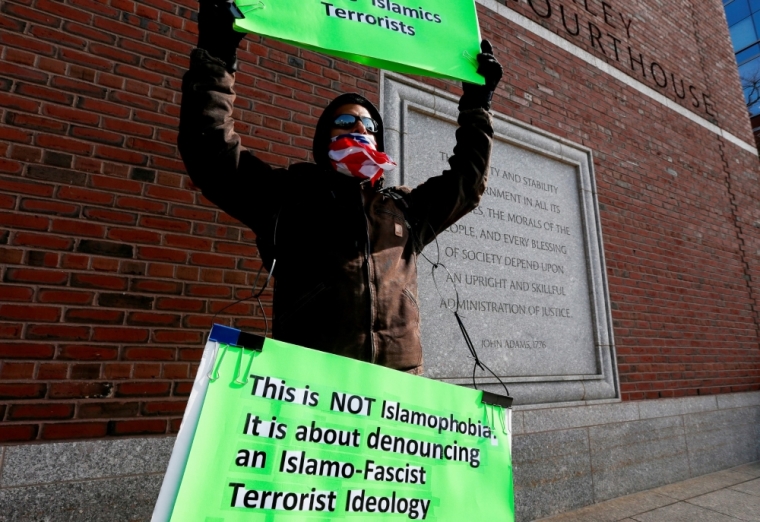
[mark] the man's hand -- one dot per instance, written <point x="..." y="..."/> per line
<point x="479" y="96"/>
<point x="215" y="32"/>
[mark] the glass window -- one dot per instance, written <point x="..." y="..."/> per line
<point x="743" y="34"/>
<point x="736" y="11"/>
<point x="747" y="54"/>
<point x="749" y="73"/>
<point x="754" y="5"/>
<point x="756" y="19"/>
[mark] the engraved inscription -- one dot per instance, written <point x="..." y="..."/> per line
<point x="517" y="262"/>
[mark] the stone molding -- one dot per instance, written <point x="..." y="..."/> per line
<point x="564" y="458"/>
<point x="400" y="96"/>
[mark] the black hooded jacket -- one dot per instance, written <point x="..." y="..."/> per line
<point x="345" y="251"/>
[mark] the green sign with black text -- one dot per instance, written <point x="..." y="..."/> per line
<point x="425" y="37"/>
<point x="287" y="433"/>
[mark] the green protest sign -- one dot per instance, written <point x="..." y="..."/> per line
<point x="292" y="434"/>
<point x="425" y="37"/>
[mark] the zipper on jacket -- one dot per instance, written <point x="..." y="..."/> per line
<point x="370" y="272"/>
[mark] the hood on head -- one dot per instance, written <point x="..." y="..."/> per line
<point x="324" y="126"/>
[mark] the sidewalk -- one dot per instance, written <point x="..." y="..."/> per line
<point x="726" y="496"/>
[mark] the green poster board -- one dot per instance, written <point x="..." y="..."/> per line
<point x="425" y="37"/>
<point x="292" y="434"/>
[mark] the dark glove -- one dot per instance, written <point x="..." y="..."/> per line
<point x="479" y="96"/>
<point x="215" y="32"/>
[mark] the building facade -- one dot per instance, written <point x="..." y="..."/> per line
<point x="743" y="23"/>
<point x="114" y="266"/>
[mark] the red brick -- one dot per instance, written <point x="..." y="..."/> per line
<point x="75" y="86"/>
<point x="11" y="101"/>
<point x="100" y="281"/>
<point x="58" y="332"/>
<point x="62" y="143"/>
<point x="65" y="296"/>
<point x="22" y="73"/>
<point x="26" y="350"/>
<point x="10" y="331"/>
<point x="52" y="372"/>
<point x="57" y="37"/>
<point x="26" y="187"/>
<point x="80" y="390"/>
<point x="176" y="371"/>
<point x="143" y="389"/>
<point x="218" y="291"/>
<point x="86" y="371"/>
<point x="137" y="427"/>
<point x="146" y="371"/>
<point x="18" y="432"/>
<point x="110" y="216"/>
<point x="164" y="408"/>
<point x="120" y="335"/>
<point x="134" y="235"/>
<point x="188" y="242"/>
<point x="69" y="114"/>
<point x="79" y="352"/>
<point x="39" y="258"/>
<point x="97" y="135"/>
<point x="64" y="11"/>
<point x="16" y="391"/>
<point x="169" y="194"/>
<point x="174" y="425"/>
<point x="88" y="32"/>
<point x="174" y="225"/>
<point x="180" y="304"/>
<point x="11" y="257"/>
<point x="149" y="354"/>
<point x="17" y="293"/>
<point x="12" y="371"/>
<point x="7" y="202"/>
<point x="212" y="260"/>
<point x="47" y="411"/>
<point x="182" y="389"/>
<point x="30" y="275"/>
<point x="107" y="410"/>
<point x="24" y="221"/>
<point x="117" y="371"/>
<point x="156" y="286"/>
<point x="153" y="319"/>
<point x="83" y="195"/>
<point x="161" y="254"/>
<point x="49" y="207"/>
<point x="74" y="430"/>
<point x="115" y="184"/>
<point x="105" y="265"/>
<point x="94" y="316"/>
<point x="31" y="313"/>
<point x="103" y="107"/>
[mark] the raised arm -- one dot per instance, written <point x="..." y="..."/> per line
<point x="227" y="173"/>
<point x="440" y="201"/>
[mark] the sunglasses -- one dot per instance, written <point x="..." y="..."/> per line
<point x="347" y="121"/>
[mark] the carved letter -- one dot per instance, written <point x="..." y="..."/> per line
<point x="548" y="12"/>
<point x="564" y="22"/>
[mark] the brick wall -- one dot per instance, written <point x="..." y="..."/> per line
<point x="113" y="265"/>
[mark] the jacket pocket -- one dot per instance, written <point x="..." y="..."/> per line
<point x="409" y="296"/>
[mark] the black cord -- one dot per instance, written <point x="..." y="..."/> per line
<point x="256" y="282"/>
<point x="473" y="353"/>
<point x="255" y="296"/>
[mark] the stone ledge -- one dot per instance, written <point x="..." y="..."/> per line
<point x="564" y="458"/>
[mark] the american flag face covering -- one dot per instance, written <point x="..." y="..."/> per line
<point x="355" y="155"/>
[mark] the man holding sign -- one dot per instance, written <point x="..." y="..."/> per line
<point x="342" y="248"/>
